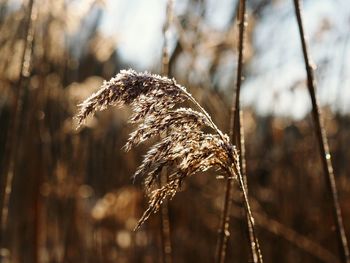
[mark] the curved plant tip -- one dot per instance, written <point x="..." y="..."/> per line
<point x="184" y="148"/>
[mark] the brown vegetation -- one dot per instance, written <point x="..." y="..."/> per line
<point x="67" y="195"/>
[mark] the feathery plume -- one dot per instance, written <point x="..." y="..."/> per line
<point x="185" y="149"/>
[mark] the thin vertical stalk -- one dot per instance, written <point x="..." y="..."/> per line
<point x="225" y="223"/>
<point x="249" y="214"/>
<point x="237" y="134"/>
<point x="165" y="48"/>
<point x="240" y="142"/>
<point x="237" y="137"/>
<point x="322" y="140"/>
<point x="165" y="236"/>
<point x="13" y="138"/>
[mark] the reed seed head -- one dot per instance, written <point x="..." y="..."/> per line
<point x="184" y="148"/>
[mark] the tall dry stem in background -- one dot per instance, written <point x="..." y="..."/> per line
<point x="237" y="136"/>
<point x="165" y="235"/>
<point x="13" y="138"/>
<point x="322" y="140"/>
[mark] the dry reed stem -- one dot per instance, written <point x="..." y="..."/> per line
<point x="238" y="129"/>
<point x="237" y="136"/>
<point x="185" y="149"/>
<point x="322" y="140"/>
<point x="165" y="234"/>
<point x="13" y="139"/>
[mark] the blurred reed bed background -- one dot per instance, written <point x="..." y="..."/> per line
<point x="67" y="195"/>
